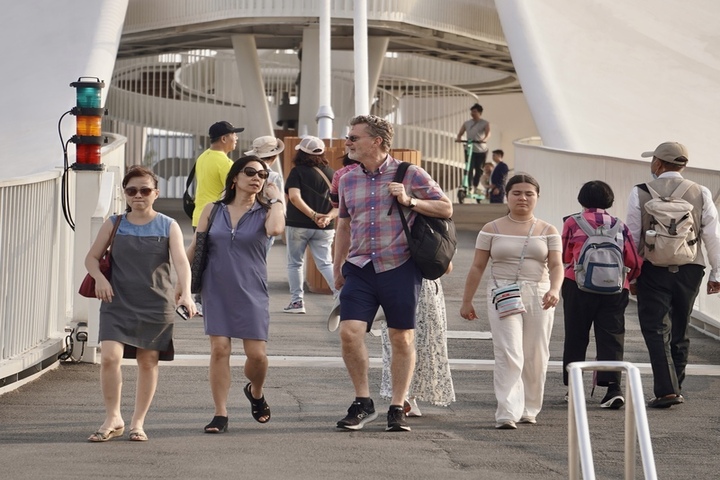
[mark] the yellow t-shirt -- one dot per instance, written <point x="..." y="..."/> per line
<point x="211" y="170"/>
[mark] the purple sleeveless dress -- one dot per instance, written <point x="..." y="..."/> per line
<point x="234" y="294"/>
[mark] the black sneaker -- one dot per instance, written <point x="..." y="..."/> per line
<point x="613" y="398"/>
<point x="358" y="416"/>
<point x="396" y="420"/>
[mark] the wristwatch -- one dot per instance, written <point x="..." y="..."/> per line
<point x="273" y="201"/>
<point x="413" y="202"/>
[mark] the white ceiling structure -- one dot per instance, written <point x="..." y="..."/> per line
<point x="614" y="78"/>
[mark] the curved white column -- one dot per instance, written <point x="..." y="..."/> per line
<point x="618" y="78"/>
<point x="259" y="121"/>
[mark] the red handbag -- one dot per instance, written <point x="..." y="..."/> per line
<point x="87" y="287"/>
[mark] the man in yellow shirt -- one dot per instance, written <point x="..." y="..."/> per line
<point x="213" y="165"/>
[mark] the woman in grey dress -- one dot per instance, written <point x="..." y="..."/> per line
<point x="138" y="305"/>
<point x="234" y="284"/>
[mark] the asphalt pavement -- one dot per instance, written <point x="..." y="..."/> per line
<point x="44" y="424"/>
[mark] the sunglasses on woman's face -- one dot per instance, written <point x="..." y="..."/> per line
<point x="144" y="191"/>
<point x="251" y="172"/>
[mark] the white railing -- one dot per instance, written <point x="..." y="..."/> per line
<point x="469" y="18"/>
<point x="39" y="270"/>
<point x="35" y="272"/>
<point x="561" y="173"/>
<point x="580" y="456"/>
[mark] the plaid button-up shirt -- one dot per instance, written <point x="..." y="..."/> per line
<point x="376" y="235"/>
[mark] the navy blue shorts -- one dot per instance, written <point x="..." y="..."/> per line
<point x="396" y="291"/>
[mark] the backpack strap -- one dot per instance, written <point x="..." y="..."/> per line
<point x="398" y="178"/>
<point x="679" y="191"/>
<point x="682" y="189"/>
<point x="601" y="229"/>
<point x="583" y="224"/>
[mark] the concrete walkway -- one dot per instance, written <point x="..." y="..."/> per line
<point x="44" y="424"/>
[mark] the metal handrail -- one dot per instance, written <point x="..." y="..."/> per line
<point x="636" y="425"/>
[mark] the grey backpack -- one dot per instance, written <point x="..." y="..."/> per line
<point x="600" y="267"/>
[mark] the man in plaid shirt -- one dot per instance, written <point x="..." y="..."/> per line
<point x="373" y="265"/>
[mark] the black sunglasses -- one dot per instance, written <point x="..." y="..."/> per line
<point x="144" y="191"/>
<point x="251" y="172"/>
<point x="355" y="138"/>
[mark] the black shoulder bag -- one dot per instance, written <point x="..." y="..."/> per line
<point x="432" y="240"/>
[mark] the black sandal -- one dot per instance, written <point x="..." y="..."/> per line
<point x="260" y="408"/>
<point x="218" y="425"/>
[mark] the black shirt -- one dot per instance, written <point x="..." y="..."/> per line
<point x="313" y="190"/>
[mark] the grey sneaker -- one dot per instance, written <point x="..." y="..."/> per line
<point x="295" y="307"/>
<point x="396" y="420"/>
<point x="358" y="416"/>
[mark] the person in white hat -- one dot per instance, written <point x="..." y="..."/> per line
<point x="268" y="148"/>
<point x="310" y="218"/>
<point x="666" y="293"/>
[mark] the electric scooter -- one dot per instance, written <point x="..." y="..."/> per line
<point x="466" y="190"/>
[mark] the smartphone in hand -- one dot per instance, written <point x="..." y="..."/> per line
<point x="183" y="312"/>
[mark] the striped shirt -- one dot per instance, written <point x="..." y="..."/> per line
<point x="376" y="234"/>
<point x="573" y="239"/>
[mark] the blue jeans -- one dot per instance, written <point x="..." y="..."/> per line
<point x="320" y="243"/>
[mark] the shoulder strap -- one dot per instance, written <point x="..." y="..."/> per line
<point x="679" y="191"/>
<point x="682" y="189"/>
<point x="589" y="230"/>
<point x="190" y="178"/>
<point x="324" y="177"/>
<point x="651" y="191"/>
<point x="398" y="178"/>
<point x="213" y="212"/>
<point x="114" y="231"/>
<point x="400" y="173"/>
<point x="522" y="255"/>
<point x="583" y="224"/>
<point x="616" y="229"/>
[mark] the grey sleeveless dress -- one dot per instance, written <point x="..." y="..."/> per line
<point x="142" y="311"/>
<point x="235" y="298"/>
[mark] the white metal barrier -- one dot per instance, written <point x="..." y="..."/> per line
<point x="636" y="425"/>
<point x="39" y="269"/>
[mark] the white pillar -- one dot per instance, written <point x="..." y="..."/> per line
<point x="309" y="88"/>
<point x="253" y="87"/>
<point x="94" y="192"/>
<point x="325" y="113"/>
<point x="377" y="47"/>
<point x="360" y="43"/>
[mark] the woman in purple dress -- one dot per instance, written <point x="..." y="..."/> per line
<point x="234" y="285"/>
